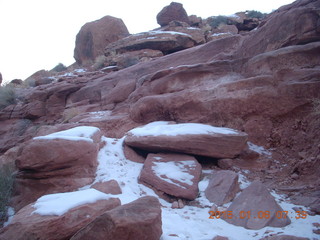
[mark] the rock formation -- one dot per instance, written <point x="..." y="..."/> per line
<point x="140" y="219"/>
<point x="175" y="174"/>
<point x="255" y="208"/>
<point x="94" y="36"/>
<point x="260" y="86"/>
<point x="50" y="227"/>
<point x="174" y="11"/>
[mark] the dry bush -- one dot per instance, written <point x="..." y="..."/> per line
<point x="7" y="96"/>
<point x="70" y="113"/>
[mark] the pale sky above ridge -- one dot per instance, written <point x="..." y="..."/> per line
<point x="38" y="34"/>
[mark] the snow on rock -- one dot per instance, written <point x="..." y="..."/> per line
<point x="165" y="128"/>
<point x="190" y="222"/>
<point x="60" y="203"/>
<point x="82" y="133"/>
<point x="259" y="149"/>
<point x="175" y="174"/>
<point x="189" y="138"/>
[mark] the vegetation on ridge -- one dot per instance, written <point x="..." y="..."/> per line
<point x="6" y="185"/>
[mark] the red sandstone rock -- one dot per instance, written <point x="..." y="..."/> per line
<point x="164" y="41"/>
<point x="109" y="187"/>
<point x="94" y="36"/>
<point x="174" y="11"/>
<point x="51" y="166"/>
<point x="140" y="219"/>
<point x="28" y="225"/>
<point x="223" y="187"/>
<point x="175" y="174"/>
<point x="132" y="155"/>
<point x="256" y="199"/>
<point x="220" y="238"/>
<point x="212" y="144"/>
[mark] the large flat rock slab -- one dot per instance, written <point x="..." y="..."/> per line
<point x="175" y="174"/>
<point x="189" y="138"/>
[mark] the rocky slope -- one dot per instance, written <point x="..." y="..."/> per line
<point x="264" y="82"/>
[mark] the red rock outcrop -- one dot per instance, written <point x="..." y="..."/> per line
<point x="140" y="219"/>
<point x="28" y="225"/>
<point x="164" y="41"/>
<point x="54" y="165"/>
<point x="213" y="142"/>
<point x="223" y="187"/>
<point x="94" y="36"/>
<point x="175" y="174"/>
<point x="172" y="12"/>
<point x="256" y="201"/>
<point x="109" y="187"/>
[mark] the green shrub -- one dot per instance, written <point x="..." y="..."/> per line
<point x="7" y="96"/>
<point x="6" y="185"/>
<point x="255" y="14"/>
<point x="214" y="22"/>
<point x="59" y="68"/>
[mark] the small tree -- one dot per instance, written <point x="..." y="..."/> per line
<point x="214" y="22"/>
<point x="255" y="14"/>
<point x="59" y="68"/>
<point x="6" y="185"/>
<point x="7" y="96"/>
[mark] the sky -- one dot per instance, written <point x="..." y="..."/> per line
<point x="39" y="34"/>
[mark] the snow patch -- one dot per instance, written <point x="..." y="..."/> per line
<point x="60" y="203"/>
<point x="175" y="170"/>
<point x="259" y="149"/>
<point x="83" y="133"/>
<point x="164" y="128"/>
<point x="10" y="214"/>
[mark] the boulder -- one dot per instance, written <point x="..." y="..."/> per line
<point x="58" y="162"/>
<point x="164" y="41"/>
<point x="29" y="225"/>
<point x="94" y="36"/>
<point x="223" y="187"/>
<point x="140" y="219"/>
<point x="191" y="138"/>
<point x="220" y="238"/>
<point x="109" y="187"/>
<point x="175" y="174"/>
<point x="174" y="11"/>
<point x="0" y="78"/>
<point x="256" y="200"/>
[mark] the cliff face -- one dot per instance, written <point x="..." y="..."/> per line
<point x="265" y="83"/>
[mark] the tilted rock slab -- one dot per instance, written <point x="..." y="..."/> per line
<point x="189" y="138"/>
<point x="140" y="219"/>
<point x="28" y="225"/>
<point x="164" y="41"/>
<point x="256" y="198"/>
<point x="223" y="187"/>
<point x="175" y="174"/>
